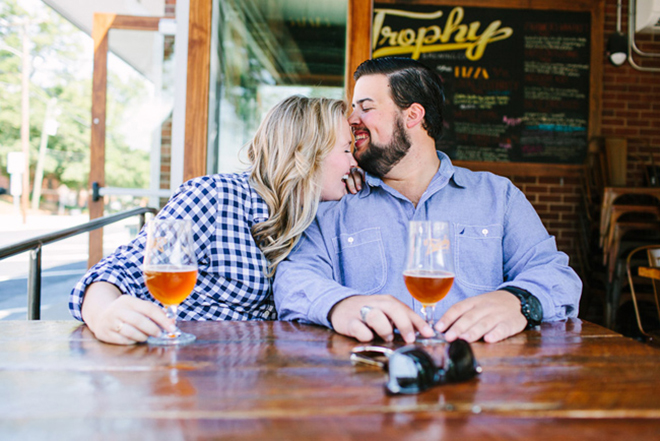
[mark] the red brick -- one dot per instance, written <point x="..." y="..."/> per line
<point x="549" y="198"/>
<point x="549" y="180"/>
<point x="523" y="180"/>
<point x="641" y="89"/>
<point x="564" y="244"/>
<point x="561" y="208"/>
<point x="572" y="181"/>
<point x="622" y="113"/>
<point x="639" y="123"/>
<point x="562" y="225"/>
<point x="648" y="79"/>
<point x="628" y="97"/>
<point x="611" y="121"/>
<point x="640" y="105"/>
<point x="535" y="189"/>
<point x="570" y="216"/>
<point x="549" y="216"/>
<point x="626" y="132"/>
<point x="573" y="199"/>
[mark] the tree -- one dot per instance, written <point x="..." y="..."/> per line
<point x="61" y="58"/>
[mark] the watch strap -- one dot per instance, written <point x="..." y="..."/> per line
<point x="525" y="305"/>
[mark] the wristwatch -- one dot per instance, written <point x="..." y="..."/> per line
<point x="530" y="306"/>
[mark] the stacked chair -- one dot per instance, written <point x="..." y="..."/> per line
<point x="644" y="280"/>
<point x="619" y="219"/>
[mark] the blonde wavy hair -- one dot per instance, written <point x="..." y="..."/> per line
<point x="287" y="154"/>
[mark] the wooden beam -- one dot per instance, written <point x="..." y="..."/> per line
<point x="562" y="5"/>
<point x="523" y="168"/>
<point x="358" y="39"/>
<point x="197" y="89"/>
<point x="135" y="23"/>
<point x="100" y="27"/>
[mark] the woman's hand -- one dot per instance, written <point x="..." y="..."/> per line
<point x="121" y="319"/>
<point x="355" y="180"/>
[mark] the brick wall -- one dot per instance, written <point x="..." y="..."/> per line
<point x="165" y="156"/>
<point x="631" y="110"/>
<point x="170" y="8"/>
<point x="631" y="99"/>
<point x="557" y="201"/>
<point x="166" y="128"/>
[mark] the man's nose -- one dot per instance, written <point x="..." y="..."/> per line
<point x="353" y="118"/>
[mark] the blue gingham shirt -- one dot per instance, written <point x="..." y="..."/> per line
<point x="357" y="246"/>
<point x="231" y="282"/>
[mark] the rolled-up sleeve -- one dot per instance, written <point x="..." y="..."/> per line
<point x="122" y="269"/>
<point x="304" y="287"/>
<point x="533" y="263"/>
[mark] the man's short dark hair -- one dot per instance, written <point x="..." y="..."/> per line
<point x="411" y="82"/>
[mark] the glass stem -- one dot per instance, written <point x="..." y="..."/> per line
<point x="170" y="312"/>
<point x="428" y="311"/>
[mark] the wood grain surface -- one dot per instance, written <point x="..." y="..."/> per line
<point x="276" y="380"/>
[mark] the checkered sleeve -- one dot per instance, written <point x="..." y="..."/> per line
<point x="231" y="283"/>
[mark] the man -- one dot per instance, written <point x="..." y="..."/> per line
<point x="346" y="272"/>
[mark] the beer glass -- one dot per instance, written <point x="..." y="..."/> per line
<point x="429" y="270"/>
<point x="170" y="271"/>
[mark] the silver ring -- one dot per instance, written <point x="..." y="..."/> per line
<point x="119" y="327"/>
<point x="364" y="311"/>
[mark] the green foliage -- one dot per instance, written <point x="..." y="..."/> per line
<point x="62" y="69"/>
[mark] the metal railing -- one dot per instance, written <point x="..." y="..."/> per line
<point x="35" y="244"/>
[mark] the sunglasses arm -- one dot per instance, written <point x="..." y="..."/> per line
<point x="359" y="355"/>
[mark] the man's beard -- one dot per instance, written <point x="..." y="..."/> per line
<point x="378" y="160"/>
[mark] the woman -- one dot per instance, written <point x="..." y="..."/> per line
<point x="243" y="226"/>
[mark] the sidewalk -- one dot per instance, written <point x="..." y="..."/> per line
<point x="63" y="262"/>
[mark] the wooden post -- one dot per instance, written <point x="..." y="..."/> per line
<point x="197" y="88"/>
<point x="100" y="28"/>
<point x="358" y="39"/>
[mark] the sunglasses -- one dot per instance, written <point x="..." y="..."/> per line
<point x="411" y="369"/>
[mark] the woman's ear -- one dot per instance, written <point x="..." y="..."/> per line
<point x="414" y="115"/>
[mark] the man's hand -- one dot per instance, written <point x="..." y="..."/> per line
<point x="355" y="180"/>
<point x="121" y="319"/>
<point x="494" y="316"/>
<point x="386" y="313"/>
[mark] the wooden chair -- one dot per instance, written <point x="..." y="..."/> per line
<point x="652" y="273"/>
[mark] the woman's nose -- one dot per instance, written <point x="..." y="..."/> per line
<point x="352" y="162"/>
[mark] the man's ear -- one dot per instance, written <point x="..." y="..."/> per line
<point x="414" y="115"/>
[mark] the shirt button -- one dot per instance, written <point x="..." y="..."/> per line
<point x="484" y="232"/>
<point x="350" y="240"/>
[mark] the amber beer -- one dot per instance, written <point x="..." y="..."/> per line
<point x="169" y="284"/>
<point x="429" y="287"/>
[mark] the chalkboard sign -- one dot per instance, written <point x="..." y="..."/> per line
<point x="516" y="80"/>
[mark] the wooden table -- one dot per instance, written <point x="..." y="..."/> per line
<point x="651" y="273"/>
<point x="273" y="380"/>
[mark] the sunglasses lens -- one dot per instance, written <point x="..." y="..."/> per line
<point x="462" y="365"/>
<point x="410" y="370"/>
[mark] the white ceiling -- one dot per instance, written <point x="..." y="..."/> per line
<point x="135" y="47"/>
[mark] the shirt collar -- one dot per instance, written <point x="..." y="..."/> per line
<point x="446" y="172"/>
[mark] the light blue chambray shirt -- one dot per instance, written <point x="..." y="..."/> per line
<point x="357" y="246"/>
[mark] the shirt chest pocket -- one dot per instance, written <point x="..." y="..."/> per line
<point x="479" y="256"/>
<point x="360" y="260"/>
